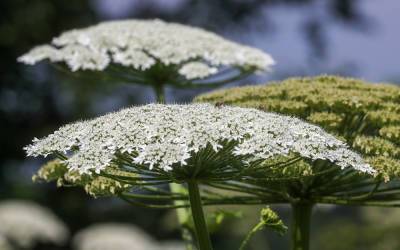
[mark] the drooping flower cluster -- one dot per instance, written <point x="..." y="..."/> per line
<point x="141" y="44"/>
<point x="167" y="136"/>
<point x="26" y="224"/>
<point x="366" y="115"/>
<point x="116" y="236"/>
<point x="95" y="186"/>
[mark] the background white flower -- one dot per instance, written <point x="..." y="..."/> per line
<point x="112" y="236"/>
<point x="166" y="136"/>
<point x="141" y="44"/>
<point x="27" y="223"/>
<point x="172" y="245"/>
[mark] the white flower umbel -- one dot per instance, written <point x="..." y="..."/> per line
<point x="171" y="137"/>
<point x="27" y="223"/>
<point x="141" y="44"/>
<point x="191" y="144"/>
<point x="113" y="236"/>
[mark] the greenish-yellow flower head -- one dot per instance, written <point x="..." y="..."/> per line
<point x="366" y="115"/>
<point x="56" y="170"/>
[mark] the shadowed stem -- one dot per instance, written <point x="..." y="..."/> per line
<point x="159" y="91"/>
<point x="301" y="220"/>
<point x="182" y="215"/>
<point x="200" y="225"/>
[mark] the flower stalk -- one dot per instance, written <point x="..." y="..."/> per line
<point x="203" y="237"/>
<point x="301" y="220"/>
<point x="159" y="91"/>
<point x="182" y="215"/>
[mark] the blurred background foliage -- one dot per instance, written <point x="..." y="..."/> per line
<point x="306" y="37"/>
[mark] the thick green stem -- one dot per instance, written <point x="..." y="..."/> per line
<point x="200" y="225"/>
<point x="301" y="220"/>
<point x="182" y="214"/>
<point x="159" y="91"/>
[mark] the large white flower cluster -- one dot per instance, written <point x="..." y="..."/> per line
<point x="111" y="236"/>
<point x="143" y="43"/>
<point x="27" y="223"/>
<point x="164" y="136"/>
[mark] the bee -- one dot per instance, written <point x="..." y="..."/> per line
<point x="219" y="104"/>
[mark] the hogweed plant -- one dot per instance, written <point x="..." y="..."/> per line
<point x="196" y="144"/>
<point x="366" y="116"/>
<point x="152" y="53"/>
